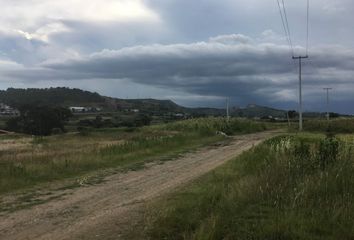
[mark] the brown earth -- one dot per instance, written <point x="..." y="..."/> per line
<point x="110" y="209"/>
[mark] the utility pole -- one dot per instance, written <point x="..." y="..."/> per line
<point x="227" y="109"/>
<point x="300" y="90"/>
<point x="327" y="90"/>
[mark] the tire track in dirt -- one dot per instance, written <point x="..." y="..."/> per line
<point x="107" y="210"/>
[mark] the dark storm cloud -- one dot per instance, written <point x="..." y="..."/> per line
<point x="230" y="65"/>
<point x="163" y="44"/>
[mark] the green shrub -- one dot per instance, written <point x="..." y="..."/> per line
<point x="328" y="151"/>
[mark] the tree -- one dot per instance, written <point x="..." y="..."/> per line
<point x="39" y="120"/>
<point x="292" y="114"/>
<point x="334" y="115"/>
<point x="143" y="120"/>
<point x="98" y="122"/>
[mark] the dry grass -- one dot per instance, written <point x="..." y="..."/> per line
<point x="26" y="161"/>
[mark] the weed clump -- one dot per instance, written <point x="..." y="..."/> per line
<point x="328" y="151"/>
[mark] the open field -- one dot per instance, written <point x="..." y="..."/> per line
<point x="340" y="125"/>
<point x="26" y="161"/>
<point x="291" y="187"/>
<point x="109" y="209"/>
<point x="123" y="184"/>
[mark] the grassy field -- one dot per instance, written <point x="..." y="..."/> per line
<point x="291" y="187"/>
<point x="26" y="161"/>
<point x="340" y="125"/>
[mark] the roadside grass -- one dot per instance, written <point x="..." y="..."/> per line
<point x="28" y="161"/>
<point x="341" y="125"/>
<point x="290" y="187"/>
<point x="49" y="166"/>
<point x="210" y="125"/>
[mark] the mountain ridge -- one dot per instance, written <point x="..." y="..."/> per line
<point x="68" y="97"/>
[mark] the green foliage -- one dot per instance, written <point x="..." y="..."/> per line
<point x="213" y="125"/>
<point x="277" y="190"/>
<point x="345" y="125"/>
<point x="292" y="114"/>
<point x="39" y="121"/>
<point x="133" y="121"/>
<point x="328" y="151"/>
<point x="252" y="111"/>
<point x="48" y="96"/>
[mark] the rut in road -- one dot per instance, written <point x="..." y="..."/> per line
<point x="106" y="210"/>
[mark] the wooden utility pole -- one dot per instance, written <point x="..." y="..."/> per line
<point x="300" y="90"/>
<point x="228" y="109"/>
<point x="327" y="89"/>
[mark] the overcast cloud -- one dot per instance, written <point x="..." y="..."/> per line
<point x="194" y="52"/>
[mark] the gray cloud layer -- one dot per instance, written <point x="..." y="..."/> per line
<point x="185" y="49"/>
<point x="229" y="65"/>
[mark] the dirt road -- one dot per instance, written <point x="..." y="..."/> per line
<point x="107" y="210"/>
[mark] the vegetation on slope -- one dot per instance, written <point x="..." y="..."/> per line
<point x="288" y="188"/>
<point x="66" y="97"/>
<point x="39" y="121"/>
<point x="253" y="110"/>
<point x="60" y="96"/>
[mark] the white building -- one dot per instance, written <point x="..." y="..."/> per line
<point x="6" y="110"/>
<point x="84" y="109"/>
<point x="78" y="109"/>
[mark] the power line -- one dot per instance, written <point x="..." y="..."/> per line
<point x="285" y="22"/>
<point x="228" y="109"/>
<point x="287" y="26"/>
<point x="308" y="16"/>
<point x="327" y="89"/>
<point x="286" y="30"/>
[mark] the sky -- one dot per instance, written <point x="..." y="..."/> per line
<point x="196" y="53"/>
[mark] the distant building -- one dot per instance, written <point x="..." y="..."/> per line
<point x="179" y="115"/>
<point x="84" y="109"/>
<point x="78" y="109"/>
<point x="6" y="110"/>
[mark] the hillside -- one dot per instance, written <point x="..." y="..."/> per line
<point x="49" y="96"/>
<point x="252" y="111"/>
<point x="67" y="97"/>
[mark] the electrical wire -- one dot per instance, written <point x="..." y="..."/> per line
<point x="308" y="16"/>
<point x="287" y="34"/>
<point x="287" y="26"/>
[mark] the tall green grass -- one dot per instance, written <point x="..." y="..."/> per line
<point x="212" y="125"/>
<point x="345" y="125"/>
<point x="287" y="188"/>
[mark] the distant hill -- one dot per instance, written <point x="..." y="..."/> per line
<point x="67" y="97"/>
<point x="252" y="111"/>
<point x="149" y="105"/>
<point x="49" y="96"/>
